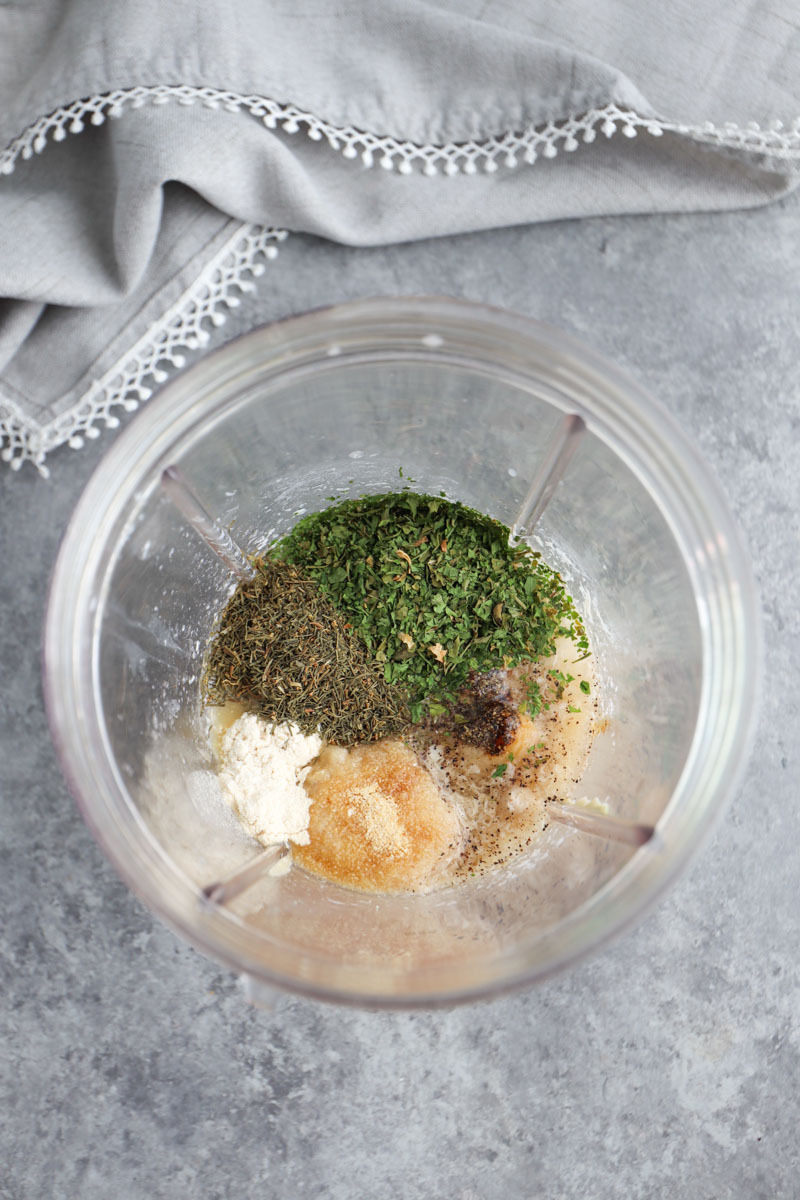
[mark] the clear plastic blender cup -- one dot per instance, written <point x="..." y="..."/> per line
<point x="464" y="400"/>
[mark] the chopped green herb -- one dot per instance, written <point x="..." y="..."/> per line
<point x="532" y="702"/>
<point x="586" y="687"/>
<point x="572" y="708"/>
<point x="444" y="576"/>
<point x="499" y="771"/>
<point x="559" y="680"/>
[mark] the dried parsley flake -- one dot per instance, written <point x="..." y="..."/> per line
<point x="433" y="589"/>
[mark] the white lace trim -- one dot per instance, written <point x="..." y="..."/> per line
<point x="230" y="272"/>
<point x="233" y="269"/>
<point x="511" y="149"/>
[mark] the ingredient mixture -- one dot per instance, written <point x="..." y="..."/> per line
<point x="285" y="652"/>
<point x="378" y="820"/>
<point x="415" y="688"/>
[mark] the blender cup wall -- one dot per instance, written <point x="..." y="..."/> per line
<point x="278" y="427"/>
<point x="352" y="430"/>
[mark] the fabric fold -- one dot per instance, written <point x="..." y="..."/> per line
<point x="141" y="143"/>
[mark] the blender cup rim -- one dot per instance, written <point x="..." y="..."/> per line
<point x="447" y="331"/>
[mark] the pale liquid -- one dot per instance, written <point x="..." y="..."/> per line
<point x="502" y="816"/>
<point x="496" y="817"/>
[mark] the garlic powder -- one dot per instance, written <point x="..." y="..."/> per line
<point x="261" y="776"/>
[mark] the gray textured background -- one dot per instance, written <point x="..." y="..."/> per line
<point x="668" y="1066"/>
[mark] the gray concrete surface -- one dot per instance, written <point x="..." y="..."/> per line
<point x="669" y="1066"/>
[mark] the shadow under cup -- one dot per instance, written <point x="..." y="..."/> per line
<point x="365" y="398"/>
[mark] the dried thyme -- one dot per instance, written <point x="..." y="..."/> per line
<point x="283" y="651"/>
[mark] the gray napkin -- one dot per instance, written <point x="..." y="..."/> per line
<point x="156" y="154"/>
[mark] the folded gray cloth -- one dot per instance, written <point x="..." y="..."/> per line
<point x="155" y="154"/>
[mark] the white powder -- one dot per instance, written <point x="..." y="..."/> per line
<point x="262" y="777"/>
<point x="593" y="804"/>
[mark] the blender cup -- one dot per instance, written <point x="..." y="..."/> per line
<point x="478" y="404"/>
